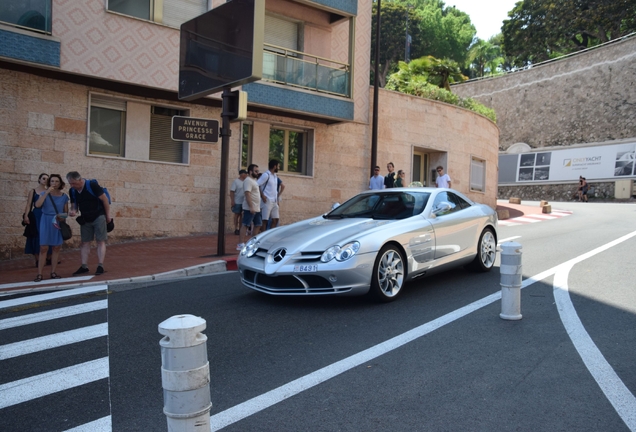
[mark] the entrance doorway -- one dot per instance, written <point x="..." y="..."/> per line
<point x="420" y="166"/>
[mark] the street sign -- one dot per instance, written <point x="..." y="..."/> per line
<point x="195" y="129"/>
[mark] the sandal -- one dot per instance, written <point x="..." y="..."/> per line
<point x="38" y="279"/>
<point x="55" y="276"/>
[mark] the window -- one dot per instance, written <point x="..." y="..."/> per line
<point x="477" y="174"/>
<point x="107" y="126"/>
<point x="246" y="145"/>
<point x="32" y="15"/>
<point x="169" y="12"/>
<point x="290" y="148"/>
<point x="134" y="130"/>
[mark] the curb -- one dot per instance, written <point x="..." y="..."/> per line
<point x="198" y="270"/>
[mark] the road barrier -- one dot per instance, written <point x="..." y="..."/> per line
<point x="185" y="374"/>
<point x="510" y="281"/>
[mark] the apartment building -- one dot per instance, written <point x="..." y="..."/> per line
<point x="91" y="86"/>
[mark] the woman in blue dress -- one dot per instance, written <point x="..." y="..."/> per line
<point x="32" y="245"/>
<point x="50" y="234"/>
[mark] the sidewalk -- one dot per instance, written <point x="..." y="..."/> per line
<point x="144" y="261"/>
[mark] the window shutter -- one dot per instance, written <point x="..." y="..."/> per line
<point x="176" y="12"/>
<point x="477" y="175"/>
<point x="281" y="32"/>
<point x="107" y="102"/>
<point x="162" y="147"/>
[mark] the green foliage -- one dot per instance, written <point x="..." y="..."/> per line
<point x="414" y="79"/>
<point x="485" y="58"/>
<point x="538" y="30"/>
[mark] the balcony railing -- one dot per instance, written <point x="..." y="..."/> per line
<point x="295" y="68"/>
<point x="31" y="14"/>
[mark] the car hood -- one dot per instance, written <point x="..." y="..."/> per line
<point x="318" y="234"/>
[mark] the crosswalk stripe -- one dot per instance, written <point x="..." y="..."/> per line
<point x="48" y="383"/>
<point x="104" y="424"/>
<point x="46" y="282"/>
<point x="50" y="296"/>
<point x="526" y="219"/>
<point x="30" y="346"/>
<point x="37" y="317"/>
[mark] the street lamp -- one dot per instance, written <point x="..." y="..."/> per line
<point x="407" y="44"/>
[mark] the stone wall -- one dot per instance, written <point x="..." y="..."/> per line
<point x="601" y="191"/>
<point x="587" y="97"/>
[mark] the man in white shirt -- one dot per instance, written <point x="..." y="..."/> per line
<point x="251" y="205"/>
<point x="268" y="184"/>
<point x="237" y="196"/>
<point x="377" y="180"/>
<point x="442" y="180"/>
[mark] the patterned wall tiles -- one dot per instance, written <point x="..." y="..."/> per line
<point x="96" y="42"/>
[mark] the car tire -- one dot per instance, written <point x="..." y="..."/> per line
<point x="486" y="252"/>
<point x="387" y="279"/>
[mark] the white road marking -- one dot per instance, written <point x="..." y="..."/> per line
<point x="505" y="223"/>
<point x="37" y="317"/>
<point x="508" y="239"/>
<point x="50" y="296"/>
<point x="526" y="219"/>
<point x="259" y="403"/>
<point x="104" y="424"/>
<point x="48" y="383"/>
<point x="31" y="346"/>
<point x="46" y="282"/>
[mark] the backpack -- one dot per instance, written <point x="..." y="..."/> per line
<point x="90" y="190"/>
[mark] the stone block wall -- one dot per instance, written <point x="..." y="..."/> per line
<point x="600" y="191"/>
<point x="587" y="97"/>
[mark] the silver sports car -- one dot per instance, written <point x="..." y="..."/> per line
<point x="373" y="243"/>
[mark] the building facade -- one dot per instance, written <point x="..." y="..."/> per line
<point x="91" y="86"/>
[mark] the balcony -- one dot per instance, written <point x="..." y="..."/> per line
<point x="298" y="69"/>
<point x="34" y="15"/>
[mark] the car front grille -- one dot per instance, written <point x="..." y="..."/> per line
<point x="290" y="284"/>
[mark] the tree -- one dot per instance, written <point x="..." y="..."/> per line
<point x="485" y="57"/>
<point x="538" y="30"/>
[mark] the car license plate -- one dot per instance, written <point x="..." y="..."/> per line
<point x="306" y="268"/>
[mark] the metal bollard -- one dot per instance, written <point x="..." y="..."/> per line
<point x="510" y="281"/>
<point x="185" y="374"/>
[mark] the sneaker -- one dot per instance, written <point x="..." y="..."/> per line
<point x="240" y="246"/>
<point x="99" y="271"/>
<point x="80" y="271"/>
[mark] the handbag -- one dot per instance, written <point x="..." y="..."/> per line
<point x="65" y="228"/>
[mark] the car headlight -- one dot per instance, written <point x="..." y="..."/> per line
<point x="340" y="253"/>
<point x="250" y="247"/>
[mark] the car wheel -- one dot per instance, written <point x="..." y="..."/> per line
<point x="486" y="252"/>
<point x="388" y="274"/>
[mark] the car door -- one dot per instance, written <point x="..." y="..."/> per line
<point x="456" y="228"/>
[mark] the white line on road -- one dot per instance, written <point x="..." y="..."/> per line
<point x="509" y="239"/>
<point x="615" y="390"/>
<point x="259" y="403"/>
<point x="104" y="424"/>
<point x="45" y="282"/>
<point x="52" y="314"/>
<point x="48" y="383"/>
<point x="50" y="296"/>
<point x="31" y="346"/>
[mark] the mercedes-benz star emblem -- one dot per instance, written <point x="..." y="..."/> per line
<point x="279" y="254"/>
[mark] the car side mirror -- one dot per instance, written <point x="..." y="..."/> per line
<point x="442" y="208"/>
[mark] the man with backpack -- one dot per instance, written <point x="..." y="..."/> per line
<point x="93" y="202"/>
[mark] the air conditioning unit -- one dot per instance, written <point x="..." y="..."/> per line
<point x="624" y="189"/>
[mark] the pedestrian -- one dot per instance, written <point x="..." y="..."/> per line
<point x="237" y="196"/>
<point x="95" y="216"/>
<point x="377" y="181"/>
<point x="273" y="223"/>
<point x="400" y="181"/>
<point x="32" y="246"/>
<point x="389" y="179"/>
<point x="268" y="184"/>
<point x="583" y="188"/>
<point x="442" y="180"/>
<point x="251" y="205"/>
<point x="49" y="230"/>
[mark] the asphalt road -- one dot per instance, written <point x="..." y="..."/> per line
<point x="434" y="360"/>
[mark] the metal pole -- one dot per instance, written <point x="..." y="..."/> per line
<point x="226" y="133"/>
<point x="376" y="86"/>
<point x="185" y="374"/>
<point x="510" y="281"/>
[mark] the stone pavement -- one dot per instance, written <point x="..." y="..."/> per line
<point x="145" y="261"/>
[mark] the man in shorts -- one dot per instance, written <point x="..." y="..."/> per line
<point x="251" y="205"/>
<point x="237" y="196"/>
<point x="95" y="212"/>
<point x="268" y="184"/>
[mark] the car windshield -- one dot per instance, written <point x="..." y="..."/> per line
<point x="387" y="205"/>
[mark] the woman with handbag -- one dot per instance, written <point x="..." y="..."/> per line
<point x="50" y="201"/>
<point x="31" y="221"/>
